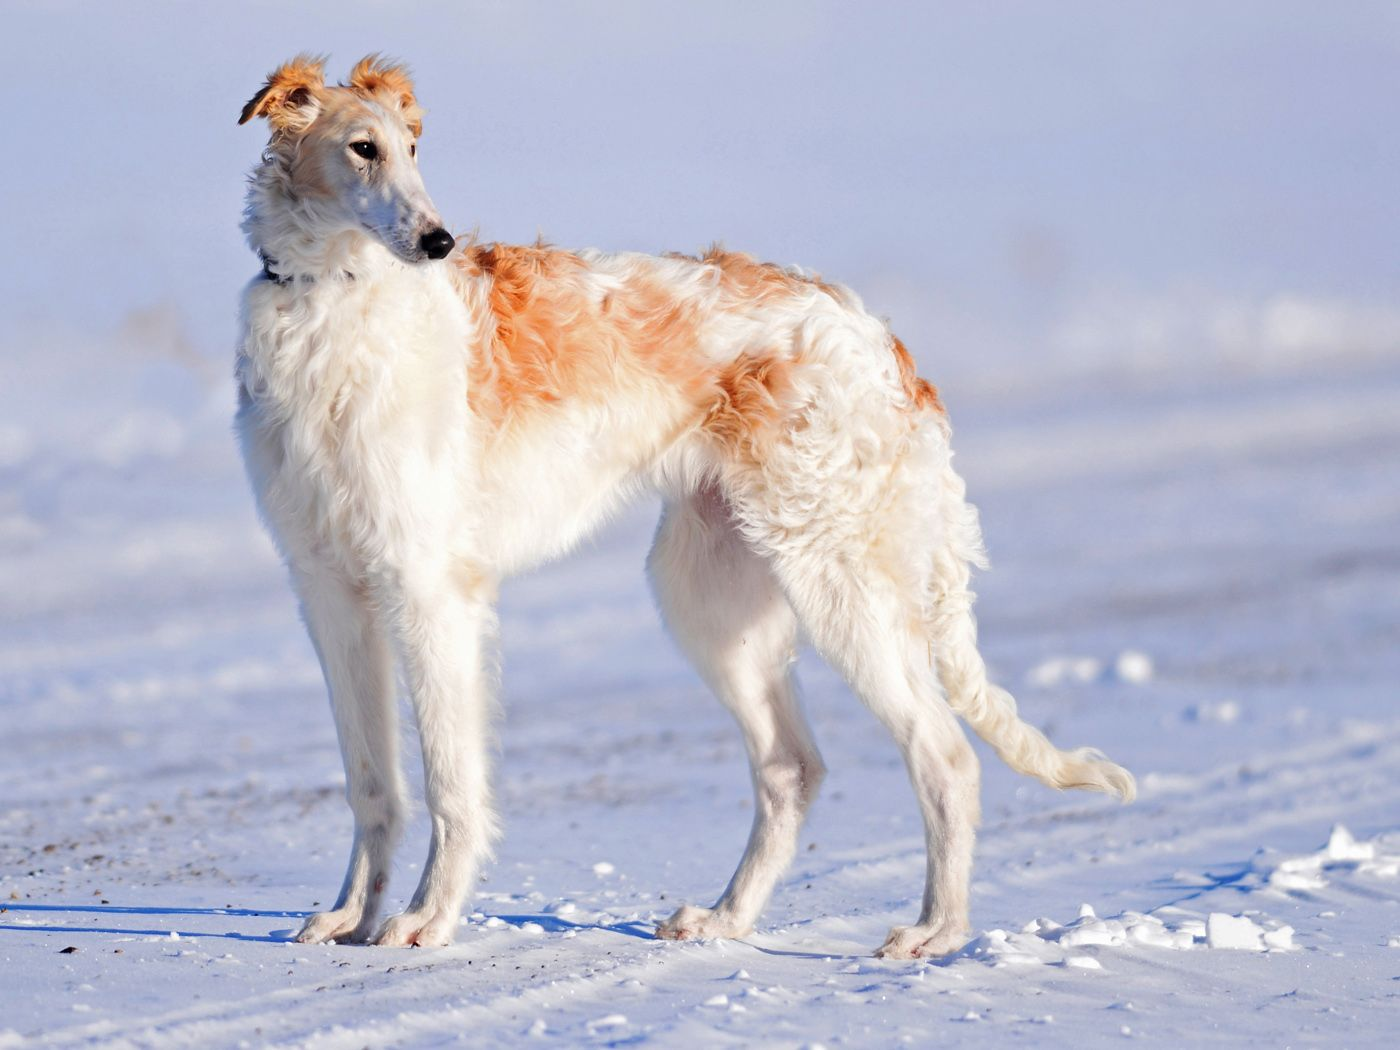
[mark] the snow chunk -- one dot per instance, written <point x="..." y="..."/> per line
<point x="1109" y="933"/>
<point x="1133" y="666"/>
<point x="603" y="868"/>
<point x="1342" y="845"/>
<point x="1060" y="669"/>
<point x="1233" y="931"/>
<point x="608" y="1021"/>
<point x="1310" y="871"/>
<point x="1222" y="712"/>
<point x="1129" y="666"/>
<point x="1045" y="942"/>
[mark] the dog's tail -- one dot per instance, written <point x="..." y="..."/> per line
<point x="987" y="708"/>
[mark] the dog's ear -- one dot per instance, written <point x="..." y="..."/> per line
<point x="288" y="99"/>
<point x="388" y="83"/>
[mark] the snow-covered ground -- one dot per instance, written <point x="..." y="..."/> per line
<point x="1200" y="576"/>
<point x="1191" y="492"/>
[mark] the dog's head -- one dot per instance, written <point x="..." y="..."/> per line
<point x="350" y="151"/>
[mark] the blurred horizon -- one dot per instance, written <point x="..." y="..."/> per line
<point x="1008" y="183"/>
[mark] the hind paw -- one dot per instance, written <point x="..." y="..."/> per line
<point x="922" y="942"/>
<point x="690" y="923"/>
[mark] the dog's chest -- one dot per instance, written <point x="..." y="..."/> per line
<point x="350" y="403"/>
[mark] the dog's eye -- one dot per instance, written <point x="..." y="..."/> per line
<point x="413" y="149"/>
<point x="367" y="150"/>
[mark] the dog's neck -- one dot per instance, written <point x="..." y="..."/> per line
<point x="271" y="271"/>
<point x="295" y="242"/>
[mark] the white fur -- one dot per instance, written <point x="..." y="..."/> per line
<point x="398" y="509"/>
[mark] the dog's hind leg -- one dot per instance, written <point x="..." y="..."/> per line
<point x="865" y="621"/>
<point x="358" y="664"/>
<point x="444" y="622"/>
<point x="729" y="616"/>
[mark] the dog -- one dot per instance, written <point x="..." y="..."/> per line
<point x="420" y="418"/>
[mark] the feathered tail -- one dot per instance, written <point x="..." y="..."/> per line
<point x="987" y="708"/>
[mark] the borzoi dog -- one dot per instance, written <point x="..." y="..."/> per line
<point x="420" y="419"/>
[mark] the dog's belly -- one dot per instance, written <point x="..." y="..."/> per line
<point x="544" y="489"/>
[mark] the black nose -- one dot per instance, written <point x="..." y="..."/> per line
<point x="436" y="244"/>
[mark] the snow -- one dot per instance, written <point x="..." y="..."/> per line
<point x="1133" y="666"/>
<point x="1233" y="931"/>
<point x="1176" y="410"/>
<point x="1129" y="666"/>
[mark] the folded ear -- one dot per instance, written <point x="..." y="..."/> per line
<point x="388" y="83"/>
<point x="288" y="99"/>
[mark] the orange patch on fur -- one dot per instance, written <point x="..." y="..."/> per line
<point x="289" y="87"/>
<point x="747" y="278"/>
<point x="388" y="83"/>
<point x="553" y="340"/>
<point x="920" y="392"/>
<point x="749" y="404"/>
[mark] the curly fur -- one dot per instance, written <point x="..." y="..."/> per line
<point x="415" y="431"/>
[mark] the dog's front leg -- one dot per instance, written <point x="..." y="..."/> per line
<point x="358" y="664"/>
<point x="445" y="621"/>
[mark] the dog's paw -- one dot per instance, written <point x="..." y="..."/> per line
<point x="921" y="942"/>
<point x="690" y="923"/>
<point x="418" y="929"/>
<point x="344" y="925"/>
